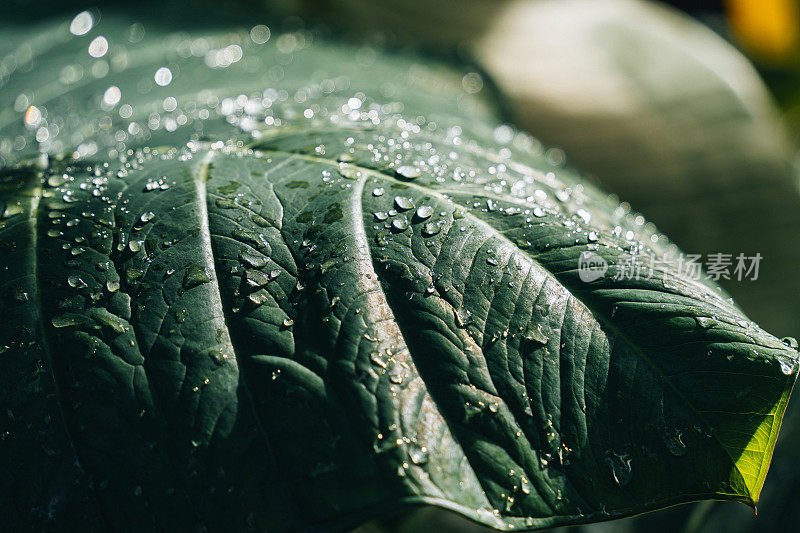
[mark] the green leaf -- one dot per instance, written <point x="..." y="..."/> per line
<point x="256" y="316"/>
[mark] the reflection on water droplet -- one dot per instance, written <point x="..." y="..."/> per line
<point x="400" y="224"/>
<point x="253" y="259"/>
<point x="463" y="318"/>
<point x="82" y="23"/>
<point x="260" y="34"/>
<point x="675" y="445"/>
<point x="423" y="212"/>
<point x="18" y="294"/>
<point x="112" y="96"/>
<point x="349" y="171"/>
<point x="705" y="322"/>
<point x="195" y="275"/>
<point x="418" y="454"/>
<point x="534" y="334"/>
<point x="66" y="320"/>
<point x="163" y="76"/>
<point x="377" y="191"/>
<point x="429" y="229"/>
<point x="98" y="47"/>
<point x="593" y="236"/>
<point x="791" y="342"/>
<point x="33" y="116"/>
<point x="620" y="468"/>
<point x="76" y="282"/>
<point x="407" y="172"/>
<point x="259" y="297"/>
<point x="403" y="203"/>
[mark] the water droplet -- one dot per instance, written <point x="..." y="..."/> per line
<point x="76" y="282"/>
<point x="66" y="320"/>
<point x="260" y="34"/>
<point x="534" y="334"/>
<point x="620" y="468"/>
<point x="82" y="23"/>
<point x="423" y="212"/>
<point x="429" y="229"/>
<point x="538" y="212"/>
<point x="253" y="259"/>
<point x="400" y="224"/>
<point x="675" y="444"/>
<point x="18" y="294"/>
<point x="791" y="342"/>
<point x="107" y="319"/>
<point x="98" y="47"/>
<point x="418" y="454"/>
<point x="349" y="171"/>
<point x="787" y="367"/>
<point x="163" y="76"/>
<point x="288" y="322"/>
<point x="256" y="278"/>
<point x="403" y="203"/>
<point x="378" y="191"/>
<point x="217" y="356"/>
<point x="112" y="96"/>
<point x="463" y="318"/>
<point x="112" y="285"/>
<point x="147" y="217"/>
<point x="33" y="116"/>
<point x="260" y="297"/>
<point x="593" y="236"/>
<point x="407" y="172"/>
<point x="196" y="275"/>
<point x="705" y="322"/>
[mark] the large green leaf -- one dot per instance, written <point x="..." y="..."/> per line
<point x="319" y="283"/>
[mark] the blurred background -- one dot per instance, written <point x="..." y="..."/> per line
<point x="689" y="110"/>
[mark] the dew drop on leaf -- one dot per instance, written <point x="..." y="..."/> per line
<point x="400" y="224"/>
<point x="407" y="172"/>
<point x="252" y="259"/>
<point x="430" y="229"/>
<point x="620" y="465"/>
<point x="418" y="454"/>
<point x="675" y="445"/>
<point x="791" y="342"/>
<point x="403" y="203"/>
<point x="195" y="275"/>
<point x="423" y="212"/>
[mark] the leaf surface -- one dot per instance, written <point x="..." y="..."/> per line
<point x="265" y="317"/>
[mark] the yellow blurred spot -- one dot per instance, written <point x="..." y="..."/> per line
<point x="768" y="29"/>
